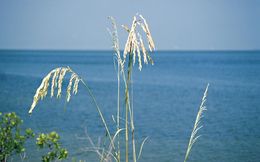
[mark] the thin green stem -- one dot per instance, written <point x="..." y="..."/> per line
<point x="126" y="131"/>
<point x="118" y="109"/>
<point x="132" y="119"/>
<point x="129" y="71"/>
<point x="128" y="108"/>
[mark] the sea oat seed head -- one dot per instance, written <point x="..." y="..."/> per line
<point x="143" y="49"/>
<point x="148" y="34"/>
<point x="37" y="96"/>
<point x="42" y="90"/>
<point x="129" y="42"/>
<point x="115" y="39"/>
<point x="46" y="85"/>
<point x="73" y="76"/>
<point x="135" y="42"/>
<point x="134" y="47"/>
<point x="75" y="86"/>
<point x="139" y="54"/>
<point x="58" y="73"/>
<point x="54" y="81"/>
<point x="61" y="77"/>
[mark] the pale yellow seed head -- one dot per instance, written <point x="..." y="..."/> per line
<point x="136" y="51"/>
<point x="129" y="42"/>
<point x="139" y="57"/>
<point x="61" y="77"/>
<point x="135" y="42"/>
<point x="58" y="73"/>
<point x="134" y="47"/>
<point x="42" y="90"/>
<point x="73" y="76"/>
<point x="143" y="49"/>
<point x="37" y="96"/>
<point x="75" y="86"/>
<point x="46" y="85"/>
<point x="148" y="34"/>
<point x="54" y="81"/>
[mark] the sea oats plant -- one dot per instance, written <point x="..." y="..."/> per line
<point x="55" y="77"/>
<point x="134" y="49"/>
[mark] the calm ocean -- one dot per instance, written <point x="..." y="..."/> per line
<point x="166" y="100"/>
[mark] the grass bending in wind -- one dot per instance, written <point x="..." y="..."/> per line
<point x="197" y="125"/>
<point x="55" y="78"/>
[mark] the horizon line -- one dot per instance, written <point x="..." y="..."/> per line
<point x="161" y="50"/>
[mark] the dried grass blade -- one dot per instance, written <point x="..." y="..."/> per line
<point x="141" y="148"/>
<point x="196" y="128"/>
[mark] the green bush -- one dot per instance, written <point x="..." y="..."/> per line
<point x="51" y="142"/>
<point x="11" y="139"/>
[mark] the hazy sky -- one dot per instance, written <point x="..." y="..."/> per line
<point x="175" y="24"/>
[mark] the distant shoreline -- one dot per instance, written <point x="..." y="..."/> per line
<point x="101" y="51"/>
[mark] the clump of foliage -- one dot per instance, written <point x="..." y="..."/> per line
<point x="51" y="142"/>
<point x="11" y="139"/>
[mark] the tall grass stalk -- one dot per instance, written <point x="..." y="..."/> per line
<point x="115" y="41"/>
<point x="129" y="71"/>
<point x="132" y="48"/>
<point x="118" y="111"/>
<point x="197" y="125"/>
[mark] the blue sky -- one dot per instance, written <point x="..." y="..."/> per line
<point x="175" y="24"/>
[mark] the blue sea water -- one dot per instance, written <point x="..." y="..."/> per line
<point x="166" y="100"/>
